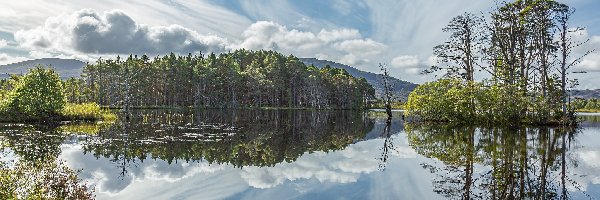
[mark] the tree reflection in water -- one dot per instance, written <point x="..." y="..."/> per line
<point x="32" y="143"/>
<point x="388" y="145"/>
<point x="496" y="163"/>
<point x="240" y="138"/>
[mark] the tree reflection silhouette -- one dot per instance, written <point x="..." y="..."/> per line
<point x="35" y="144"/>
<point x="241" y="138"/>
<point x="495" y="163"/>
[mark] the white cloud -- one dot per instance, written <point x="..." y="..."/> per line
<point x="113" y="32"/>
<point x="367" y="46"/>
<point x="3" y="43"/>
<point x="342" y="45"/>
<point x="590" y="63"/>
<point x="91" y="33"/>
<point x="413" y="70"/>
<point x="405" y="61"/>
<point x="338" y="34"/>
<point x="7" y="59"/>
<point x="343" y="6"/>
<point x="338" y="167"/>
<point x="202" y="16"/>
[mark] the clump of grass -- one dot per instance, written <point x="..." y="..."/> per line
<point x="86" y="111"/>
<point x="588" y="110"/>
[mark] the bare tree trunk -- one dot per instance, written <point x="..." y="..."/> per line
<point x="388" y="95"/>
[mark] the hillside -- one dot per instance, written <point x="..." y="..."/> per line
<point x="400" y="88"/>
<point x="65" y="67"/>
<point x="586" y="94"/>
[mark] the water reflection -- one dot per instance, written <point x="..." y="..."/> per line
<point x="241" y="138"/>
<point x="31" y="143"/>
<point x="521" y="163"/>
<point x="212" y="154"/>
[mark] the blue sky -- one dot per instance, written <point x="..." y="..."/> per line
<point x="360" y="33"/>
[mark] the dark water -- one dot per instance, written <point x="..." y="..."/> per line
<point x="213" y="154"/>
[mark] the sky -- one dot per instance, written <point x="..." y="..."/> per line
<point x="359" y="33"/>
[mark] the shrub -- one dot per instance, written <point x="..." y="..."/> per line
<point x="451" y="100"/>
<point x="440" y="101"/>
<point x="37" y="95"/>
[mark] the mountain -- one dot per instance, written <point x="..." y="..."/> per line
<point x="586" y="94"/>
<point x="66" y="68"/>
<point x="400" y="88"/>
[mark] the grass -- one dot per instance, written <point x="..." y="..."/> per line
<point x="84" y="128"/>
<point x="588" y="110"/>
<point x="86" y="111"/>
<point x="70" y="112"/>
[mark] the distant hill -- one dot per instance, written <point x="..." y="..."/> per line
<point x="66" y="68"/>
<point x="586" y="94"/>
<point x="400" y="88"/>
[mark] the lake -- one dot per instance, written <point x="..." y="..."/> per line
<point x="271" y="154"/>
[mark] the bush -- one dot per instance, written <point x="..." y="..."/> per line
<point x="451" y="100"/>
<point x="445" y="100"/>
<point x="36" y="96"/>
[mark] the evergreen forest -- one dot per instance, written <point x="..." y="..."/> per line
<point x="239" y="79"/>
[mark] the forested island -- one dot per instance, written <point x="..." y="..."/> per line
<point x="522" y="57"/>
<point x="239" y="79"/>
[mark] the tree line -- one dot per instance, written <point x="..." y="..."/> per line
<point x="586" y="105"/>
<point x="236" y="79"/>
<point x="522" y="53"/>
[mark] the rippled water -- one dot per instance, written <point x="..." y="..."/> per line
<point x="245" y="154"/>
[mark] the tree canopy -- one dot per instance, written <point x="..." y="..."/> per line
<point x="36" y="95"/>
<point x="230" y="80"/>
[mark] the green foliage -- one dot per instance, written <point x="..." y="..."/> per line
<point x="36" y="96"/>
<point x="230" y="80"/>
<point x="47" y="180"/>
<point x="86" y="111"/>
<point x="586" y="105"/>
<point x="452" y="100"/>
<point x="39" y="96"/>
<point x="526" y="47"/>
<point x="86" y="128"/>
<point x="445" y="100"/>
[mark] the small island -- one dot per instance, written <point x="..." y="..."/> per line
<point x="513" y="70"/>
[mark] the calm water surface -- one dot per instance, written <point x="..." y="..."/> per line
<point x="214" y="154"/>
